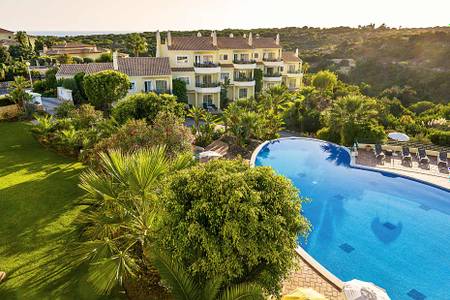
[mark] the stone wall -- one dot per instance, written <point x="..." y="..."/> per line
<point x="307" y="275"/>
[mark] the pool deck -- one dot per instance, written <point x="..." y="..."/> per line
<point x="308" y="273"/>
<point x="432" y="174"/>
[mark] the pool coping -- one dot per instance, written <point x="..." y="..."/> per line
<point x="312" y="262"/>
<point x="352" y="162"/>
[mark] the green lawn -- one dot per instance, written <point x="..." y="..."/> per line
<point x="38" y="189"/>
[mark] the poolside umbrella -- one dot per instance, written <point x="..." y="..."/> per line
<point x="362" y="290"/>
<point x="398" y="136"/>
<point x="304" y="294"/>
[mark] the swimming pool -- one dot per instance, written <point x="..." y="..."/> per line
<point x="369" y="225"/>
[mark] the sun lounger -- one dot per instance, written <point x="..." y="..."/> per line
<point x="379" y="154"/>
<point x="406" y="155"/>
<point x="422" y="156"/>
<point x="442" y="159"/>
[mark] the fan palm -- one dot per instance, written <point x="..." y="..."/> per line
<point x="275" y="98"/>
<point x="197" y="114"/>
<point x="349" y="112"/>
<point x="121" y="217"/>
<point x="183" y="287"/>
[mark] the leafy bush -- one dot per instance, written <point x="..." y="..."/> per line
<point x="224" y="218"/>
<point x="105" y="87"/>
<point x="63" y="110"/>
<point x="440" y="137"/>
<point x="179" y="90"/>
<point x="85" y="116"/>
<point x="145" y="106"/>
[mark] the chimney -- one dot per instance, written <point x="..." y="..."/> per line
<point x="214" y="38"/>
<point x="296" y="52"/>
<point x="115" y="59"/>
<point x="231" y="35"/>
<point x="158" y="43"/>
<point x="250" y="39"/>
<point x="277" y="39"/>
<point x="199" y="34"/>
<point x="169" y="39"/>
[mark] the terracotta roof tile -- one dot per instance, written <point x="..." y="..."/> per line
<point x="290" y="56"/>
<point x="145" y="66"/>
<point x="6" y="31"/>
<point x="71" y="69"/>
<point x="132" y="66"/>
<point x="233" y="43"/>
<point x="206" y="43"/>
<point x="182" y="69"/>
<point x="192" y="43"/>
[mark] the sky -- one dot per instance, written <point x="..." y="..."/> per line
<point x="150" y="15"/>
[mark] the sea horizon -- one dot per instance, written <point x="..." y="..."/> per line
<point x="75" y="33"/>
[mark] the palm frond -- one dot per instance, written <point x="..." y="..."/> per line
<point x="147" y="166"/>
<point x="174" y="276"/>
<point x="115" y="164"/>
<point x="211" y="289"/>
<point x="243" y="291"/>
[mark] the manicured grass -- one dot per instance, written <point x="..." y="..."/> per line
<point x="38" y="190"/>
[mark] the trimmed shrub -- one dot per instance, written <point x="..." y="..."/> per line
<point x="440" y="137"/>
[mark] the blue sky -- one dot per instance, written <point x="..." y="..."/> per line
<point x="141" y="15"/>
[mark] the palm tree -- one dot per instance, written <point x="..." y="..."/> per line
<point x="121" y="215"/>
<point x="183" y="287"/>
<point x="275" y="98"/>
<point x="350" y="112"/>
<point x="197" y="114"/>
<point x="18" y="92"/>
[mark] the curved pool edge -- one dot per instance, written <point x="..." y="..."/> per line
<point x="352" y="162"/>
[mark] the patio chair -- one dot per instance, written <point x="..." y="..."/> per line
<point x="406" y="155"/>
<point x="422" y="156"/>
<point x="442" y="159"/>
<point x="379" y="154"/>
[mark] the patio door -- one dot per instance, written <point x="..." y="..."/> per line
<point x="148" y="86"/>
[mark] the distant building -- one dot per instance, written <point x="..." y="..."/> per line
<point x="146" y="74"/>
<point x="75" y="50"/>
<point x="8" y="38"/>
<point x="204" y="63"/>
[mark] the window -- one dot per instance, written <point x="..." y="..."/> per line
<point x="207" y="99"/>
<point x="224" y="57"/>
<point x="185" y="79"/>
<point x="161" y="86"/>
<point x="132" y="86"/>
<point x="292" y="83"/>
<point x="255" y="55"/>
<point x="242" y="93"/>
<point x="236" y="57"/>
<point x="245" y="57"/>
<point x="182" y="59"/>
<point x="224" y="76"/>
<point x="291" y="68"/>
<point x="148" y="86"/>
<point x="207" y="58"/>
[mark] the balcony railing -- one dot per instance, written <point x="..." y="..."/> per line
<point x="294" y="71"/>
<point x="244" y="78"/>
<point x="272" y="75"/>
<point x="206" y="65"/>
<point x="271" y="59"/>
<point x="244" y="61"/>
<point x="207" y="84"/>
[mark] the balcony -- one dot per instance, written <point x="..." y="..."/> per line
<point x="294" y="73"/>
<point x="272" y="77"/>
<point x="244" y="64"/>
<point x="244" y="81"/>
<point x="206" y="68"/>
<point x="272" y="62"/>
<point x="207" y="87"/>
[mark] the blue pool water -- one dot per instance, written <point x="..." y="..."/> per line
<point x="368" y="225"/>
